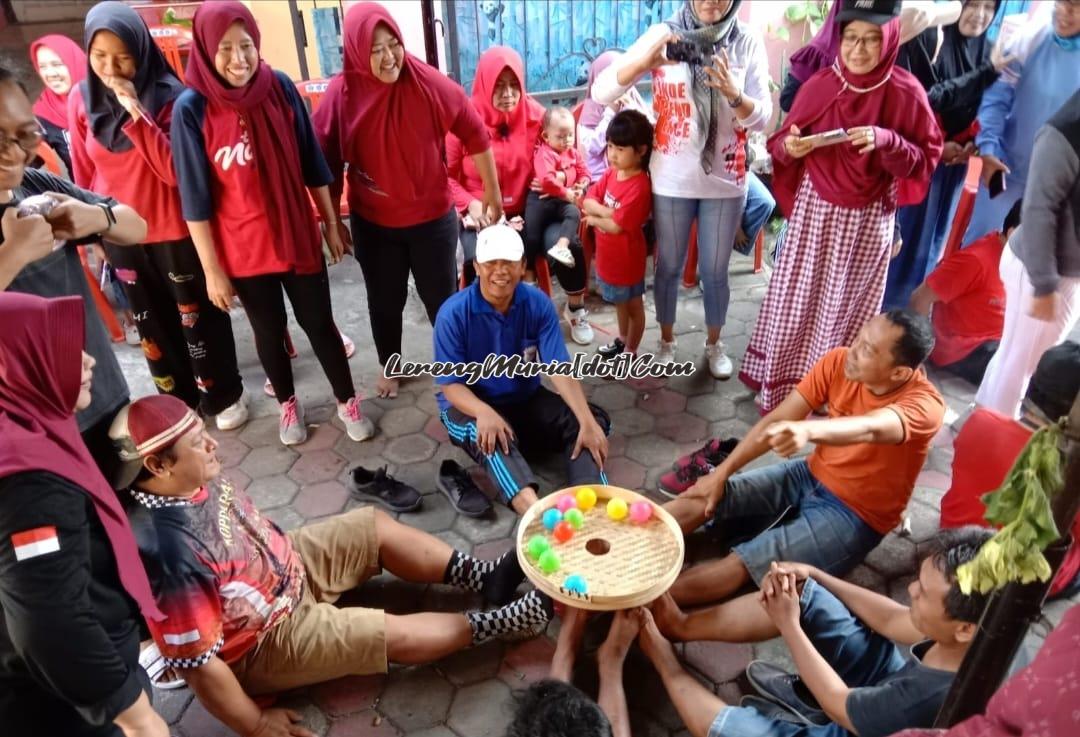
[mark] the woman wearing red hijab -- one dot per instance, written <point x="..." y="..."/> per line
<point x="71" y="582"/>
<point x="840" y="200"/>
<point x="512" y="119"/>
<point x="246" y="159"/>
<point x="62" y="65"/>
<point x="387" y="116"/>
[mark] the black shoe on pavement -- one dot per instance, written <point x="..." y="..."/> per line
<point x="380" y="487"/>
<point x="612" y="349"/>
<point x="786" y="690"/>
<point x="463" y="493"/>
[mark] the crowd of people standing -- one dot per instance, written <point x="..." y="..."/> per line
<point x="224" y="187"/>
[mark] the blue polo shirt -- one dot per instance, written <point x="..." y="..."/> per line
<point x="468" y="329"/>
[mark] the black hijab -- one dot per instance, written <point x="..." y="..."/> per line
<point x="155" y="83"/>
<point x="959" y="55"/>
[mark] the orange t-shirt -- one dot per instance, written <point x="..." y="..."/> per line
<point x="874" y="480"/>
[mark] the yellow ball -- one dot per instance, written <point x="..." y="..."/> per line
<point x="586" y="498"/>
<point x="617" y="509"/>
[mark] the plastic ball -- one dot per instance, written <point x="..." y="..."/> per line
<point x="549" y="561"/>
<point x="565" y="503"/>
<point x="617" y="509"/>
<point x="640" y="512"/>
<point x="563" y="531"/>
<point x="586" y="499"/>
<point x="575" y="584"/>
<point x="575" y="518"/>
<point x="551" y="518"/>
<point x="538" y="544"/>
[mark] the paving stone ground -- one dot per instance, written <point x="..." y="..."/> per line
<point x="471" y="693"/>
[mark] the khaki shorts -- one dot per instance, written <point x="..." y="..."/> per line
<point x="318" y="641"/>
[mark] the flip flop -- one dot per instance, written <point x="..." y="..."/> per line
<point x="153" y="663"/>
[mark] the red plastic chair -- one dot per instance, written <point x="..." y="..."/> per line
<point x="313" y="90"/>
<point x="167" y="39"/>
<point x="964" y="206"/>
<point x="690" y="268"/>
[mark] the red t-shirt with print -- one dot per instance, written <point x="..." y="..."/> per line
<point x="620" y="257"/>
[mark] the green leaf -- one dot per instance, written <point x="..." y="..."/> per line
<point x="796" y="13"/>
<point x="783" y="33"/>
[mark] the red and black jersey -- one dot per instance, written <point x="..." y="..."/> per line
<point x="222" y="573"/>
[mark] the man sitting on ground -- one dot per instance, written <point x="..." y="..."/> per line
<point x="250" y="608"/>
<point x="867" y="665"/>
<point x="498" y="418"/>
<point x="883" y="413"/>
<point x="968" y="301"/>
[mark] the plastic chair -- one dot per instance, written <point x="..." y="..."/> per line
<point x="964" y="206"/>
<point x="51" y="159"/>
<point x="312" y="91"/>
<point x="690" y="275"/>
<point x="167" y="39"/>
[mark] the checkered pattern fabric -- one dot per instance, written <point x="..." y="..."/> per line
<point x="155" y="501"/>
<point x="197" y="661"/>
<point x="829" y="281"/>
<point x="527" y="615"/>
<point x="467" y="572"/>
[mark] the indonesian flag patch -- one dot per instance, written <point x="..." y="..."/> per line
<point x="32" y="543"/>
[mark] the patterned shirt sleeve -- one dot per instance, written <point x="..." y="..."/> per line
<point x="192" y="632"/>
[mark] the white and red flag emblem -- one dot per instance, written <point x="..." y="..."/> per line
<point x="32" y="543"/>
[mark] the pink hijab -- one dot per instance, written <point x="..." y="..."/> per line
<point x="40" y="376"/>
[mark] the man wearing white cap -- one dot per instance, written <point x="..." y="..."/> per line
<point x="497" y="417"/>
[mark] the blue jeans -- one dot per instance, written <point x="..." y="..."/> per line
<point x="759" y="206"/>
<point x="825" y="534"/>
<point x="717" y="221"/>
<point x="860" y="656"/>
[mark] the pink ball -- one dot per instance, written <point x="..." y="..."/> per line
<point x="565" y="502"/>
<point x="640" y="512"/>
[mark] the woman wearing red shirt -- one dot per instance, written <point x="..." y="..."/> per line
<point x="387" y="116"/>
<point x="512" y="119"/>
<point x="245" y="151"/>
<point x="120" y="126"/>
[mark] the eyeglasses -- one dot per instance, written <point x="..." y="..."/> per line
<point x="868" y="42"/>
<point x="27" y="141"/>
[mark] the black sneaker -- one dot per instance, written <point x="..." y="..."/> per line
<point x="786" y="690"/>
<point x="380" y="487"/>
<point x="463" y="493"/>
<point x="612" y="349"/>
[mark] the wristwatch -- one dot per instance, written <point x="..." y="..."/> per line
<point x="736" y="102"/>
<point x="110" y="216"/>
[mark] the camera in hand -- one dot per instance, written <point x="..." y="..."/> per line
<point x="686" y="51"/>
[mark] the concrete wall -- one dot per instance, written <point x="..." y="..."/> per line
<point x="49" y="11"/>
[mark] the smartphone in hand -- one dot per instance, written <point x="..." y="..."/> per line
<point x="997" y="183"/>
<point x="828" y="138"/>
<point x="684" y="51"/>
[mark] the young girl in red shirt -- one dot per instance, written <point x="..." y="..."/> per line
<point x="617" y="207"/>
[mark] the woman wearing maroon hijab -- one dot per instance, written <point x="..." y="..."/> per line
<point x="71" y="582"/>
<point x="387" y="116"/>
<point x="840" y="201"/>
<point x="61" y="64"/>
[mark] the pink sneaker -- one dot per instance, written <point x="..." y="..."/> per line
<point x="357" y="426"/>
<point x="291" y="428"/>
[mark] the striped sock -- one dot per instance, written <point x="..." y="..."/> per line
<point x="525" y="616"/>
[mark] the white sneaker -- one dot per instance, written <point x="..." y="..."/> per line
<point x="357" y="426"/>
<point x="131" y="334"/>
<point x="291" y="427"/>
<point x="719" y="364"/>
<point x="581" y="331"/>
<point x="562" y="255"/>
<point x="665" y="352"/>
<point x="234" y="415"/>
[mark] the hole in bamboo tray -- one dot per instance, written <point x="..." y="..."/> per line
<point x="598" y="546"/>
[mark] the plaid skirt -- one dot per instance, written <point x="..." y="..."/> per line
<point x="828" y="282"/>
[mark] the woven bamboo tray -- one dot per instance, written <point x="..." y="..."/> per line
<point x="624" y="564"/>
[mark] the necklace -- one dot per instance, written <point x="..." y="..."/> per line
<point x="853" y="88"/>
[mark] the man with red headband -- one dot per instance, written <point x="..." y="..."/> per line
<point x="250" y="608"/>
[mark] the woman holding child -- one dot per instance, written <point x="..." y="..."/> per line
<point x="387" y="116"/>
<point x="705" y="107"/>
<point x="513" y="121"/>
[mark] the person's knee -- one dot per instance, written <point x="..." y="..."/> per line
<point x="734" y="570"/>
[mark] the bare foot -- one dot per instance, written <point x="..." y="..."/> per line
<point x="668" y="616"/>
<point x="624" y="628"/>
<point x="653" y="643"/>
<point x="385" y="387"/>
<point x="571" y="633"/>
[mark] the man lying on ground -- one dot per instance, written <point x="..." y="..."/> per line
<point x="250" y="608"/>
<point x="882" y="414"/>
<point x="866" y="664"/>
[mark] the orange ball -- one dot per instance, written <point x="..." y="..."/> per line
<point x="563" y="531"/>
